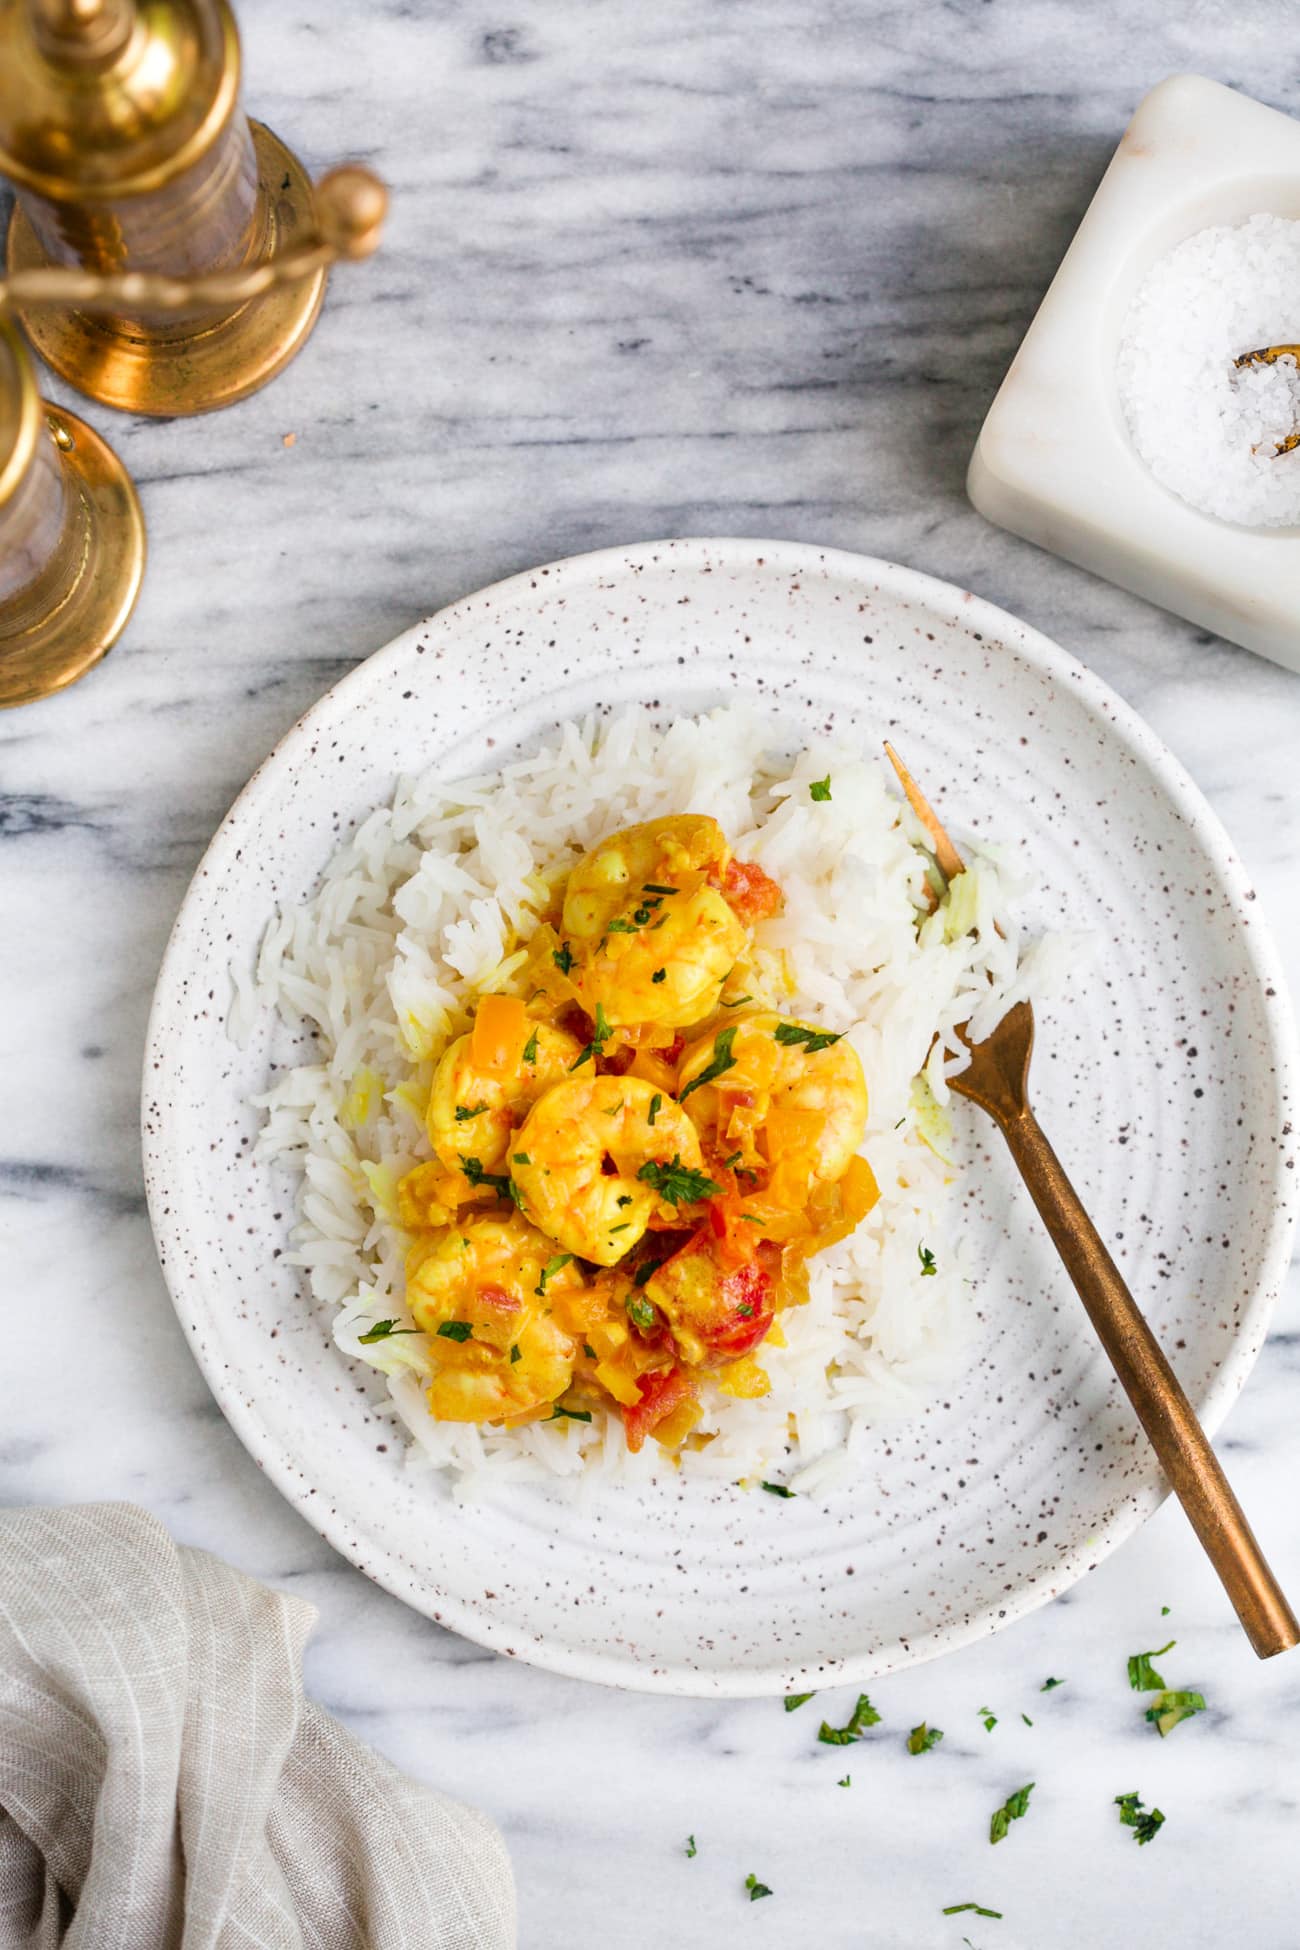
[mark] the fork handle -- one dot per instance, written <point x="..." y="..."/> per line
<point x="1180" y="1443"/>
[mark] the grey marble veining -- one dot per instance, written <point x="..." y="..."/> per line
<point x="755" y="268"/>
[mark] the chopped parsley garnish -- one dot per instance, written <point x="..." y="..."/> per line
<point x="383" y="1330"/>
<point x="464" y="1113"/>
<point x="845" y="1781"/>
<point x="690" y="1846"/>
<point x="645" y="1270"/>
<point x="1025" y="1717"/>
<point x="521" y="1158"/>
<point x="745" y="1312"/>
<point x="626" y="1199"/>
<point x="820" y="788"/>
<point x="1048" y="1684"/>
<point x="599" y="1038"/>
<point x="864" y="1715"/>
<point x="727" y="1163"/>
<point x="622" y="927"/>
<point x="756" y="1888"/>
<point x="1142" y="1675"/>
<point x="923" y="1738"/>
<point x="977" y="1909"/>
<point x="739" y="1001"/>
<point x="677" y="1184"/>
<point x="656" y="1105"/>
<point x="926" y="1257"/>
<point x="794" y="1700"/>
<point x="589" y="1351"/>
<point x="642" y="1313"/>
<point x="1164" y="1611"/>
<point x="530" y="1048"/>
<point x="558" y="1414"/>
<point x="551" y="1268"/>
<point x="456" y="1330"/>
<point x="776" y="1489"/>
<point x="514" y="1354"/>
<point x="990" y="1719"/>
<point x="1169" y="1709"/>
<point x="722" y="1061"/>
<point x="660" y="975"/>
<point x="619" y="1228"/>
<point x="473" y="1170"/>
<point x="812" y="1039"/>
<point x="1144" y="1822"/>
<point x="648" y="887"/>
<point x="1015" y="1805"/>
<point x="562" y="957"/>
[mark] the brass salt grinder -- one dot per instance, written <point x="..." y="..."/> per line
<point x="165" y="255"/>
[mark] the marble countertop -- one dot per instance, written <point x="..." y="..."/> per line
<point x="742" y="270"/>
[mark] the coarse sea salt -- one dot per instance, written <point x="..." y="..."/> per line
<point x="1207" y="429"/>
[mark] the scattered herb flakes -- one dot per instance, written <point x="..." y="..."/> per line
<point x="660" y="975"/>
<point x="549" y="1271"/>
<point x="777" y="1489"/>
<point x="1145" y="1822"/>
<point x="645" y="1270"/>
<point x="590" y="1351"/>
<point x="521" y="1158"/>
<point x="456" y="1330"/>
<point x="739" y="1002"/>
<point x="464" y="1112"/>
<point x="928" y="1267"/>
<point x="1025" y="1717"/>
<point x="558" y="1413"/>
<point x="922" y="1739"/>
<point x="562" y="957"/>
<point x="530" y="1048"/>
<point x="845" y="1780"/>
<point x="514" y="1354"/>
<point x="656" y="1105"/>
<point x="676" y="1183"/>
<point x="691" y="1849"/>
<point x="473" y="1170"/>
<point x="642" y="1313"/>
<point x="599" y="1037"/>
<point x="1011" y="1810"/>
<point x="384" y="1330"/>
<point x="792" y="1033"/>
<point x="793" y="1700"/>
<point x="1169" y="1709"/>
<point x="649" y="887"/>
<point x="820" y="789"/>
<point x="990" y="1719"/>
<point x="1142" y="1675"/>
<point x="864" y="1715"/>
<point x="1048" y="1684"/>
<point x="977" y="1909"/>
<point x="756" y="1888"/>
<point x="722" y="1061"/>
<point x="1164" y="1611"/>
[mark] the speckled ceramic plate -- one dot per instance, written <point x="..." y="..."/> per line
<point x="1162" y="1078"/>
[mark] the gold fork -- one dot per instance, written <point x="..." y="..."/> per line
<point x="997" y="1080"/>
<point x="1268" y="355"/>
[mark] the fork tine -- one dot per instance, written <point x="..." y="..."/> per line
<point x="949" y="861"/>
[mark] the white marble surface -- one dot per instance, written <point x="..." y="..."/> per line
<point x="754" y="270"/>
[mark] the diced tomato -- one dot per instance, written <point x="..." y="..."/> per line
<point x="751" y="894"/>
<point x="662" y="1391"/>
<point x="727" y="1308"/>
<point x="746" y="1297"/>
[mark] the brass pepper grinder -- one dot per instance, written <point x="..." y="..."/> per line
<point x="71" y="537"/>
<point x="121" y="129"/>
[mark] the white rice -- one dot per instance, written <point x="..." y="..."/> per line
<point x="426" y="905"/>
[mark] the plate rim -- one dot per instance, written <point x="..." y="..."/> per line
<point x="384" y="1567"/>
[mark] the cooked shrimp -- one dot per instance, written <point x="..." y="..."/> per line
<point x="475" y="1104"/>
<point x="651" y="940"/>
<point x="780" y="1098"/>
<point x="599" y="1158"/>
<point x="484" y="1296"/>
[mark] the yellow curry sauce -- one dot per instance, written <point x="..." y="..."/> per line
<point x="632" y="1164"/>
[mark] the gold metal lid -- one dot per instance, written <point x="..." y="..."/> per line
<point x="20" y="409"/>
<point x="108" y="98"/>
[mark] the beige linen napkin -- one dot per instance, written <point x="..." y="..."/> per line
<point x="163" y="1782"/>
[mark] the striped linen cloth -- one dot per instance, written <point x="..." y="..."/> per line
<point x="163" y="1782"/>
